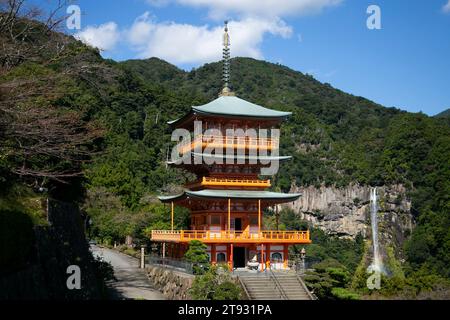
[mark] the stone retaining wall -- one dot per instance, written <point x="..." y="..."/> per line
<point x="173" y="284"/>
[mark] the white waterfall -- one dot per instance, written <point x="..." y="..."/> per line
<point x="377" y="264"/>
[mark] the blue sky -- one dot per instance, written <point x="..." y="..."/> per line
<point x="405" y="64"/>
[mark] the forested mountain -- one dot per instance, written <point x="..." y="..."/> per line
<point x="443" y="114"/>
<point x="346" y="138"/>
<point x="339" y="139"/>
<point x="79" y="128"/>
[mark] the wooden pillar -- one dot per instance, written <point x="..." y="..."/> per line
<point x="213" y="254"/>
<point x="164" y="250"/>
<point x="259" y="215"/>
<point x="262" y="257"/>
<point x="267" y="255"/>
<point x="229" y="215"/>
<point x="231" y="256"/>
<point x="171" y="216"/>
<point x="285" y="256"/>
<point x="228" y="255"/>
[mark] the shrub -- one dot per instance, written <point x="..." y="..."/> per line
<point x="344" y="294"/>
<point x="227" y="291"/>
<point x="339" y="275"/>
<point x="196" y="254"/>
<point x="329" y="276"/>
<point x="215" y="284"/>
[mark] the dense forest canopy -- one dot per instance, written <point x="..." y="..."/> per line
<point x="77" y="127"/>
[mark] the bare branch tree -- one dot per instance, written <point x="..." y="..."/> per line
<point x="42" y="139"/>
<point x="22" y="28"/>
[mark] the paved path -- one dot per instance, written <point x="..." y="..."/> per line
<point x="132" y="282"/>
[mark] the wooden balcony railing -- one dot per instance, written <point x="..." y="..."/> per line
<point x="233" y="142"/>
<point x="227" y="182"/>
<point x="268" y="236"/>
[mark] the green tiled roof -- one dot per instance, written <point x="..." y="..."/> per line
<point x="233" y="194"/>
<point x="232" y="106"/>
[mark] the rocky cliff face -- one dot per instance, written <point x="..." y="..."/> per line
<point x="345" y="212"/>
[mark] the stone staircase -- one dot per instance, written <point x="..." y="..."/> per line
<point x="260" y="288"/>
<point x="293" y="287"/>
<point x="275" y="286"/>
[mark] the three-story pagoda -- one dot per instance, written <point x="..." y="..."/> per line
<point x="228" y="198"/>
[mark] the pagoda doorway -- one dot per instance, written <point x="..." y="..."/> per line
<point x="239" y="257"/>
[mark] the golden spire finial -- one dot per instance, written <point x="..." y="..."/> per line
<point x="226" y="91"/>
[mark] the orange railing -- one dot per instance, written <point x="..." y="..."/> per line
<point x="233" y="142"/>
<point x="267" y="236"/>
<point x="208" y="181"/>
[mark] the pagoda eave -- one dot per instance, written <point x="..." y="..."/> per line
<point x="242" y="195"/>
<point x="231" y="107"/>
<point x="236" y="159"/>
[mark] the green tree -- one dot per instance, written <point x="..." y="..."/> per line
<point x="215" y="284"/>
<point x="196" y="254"/>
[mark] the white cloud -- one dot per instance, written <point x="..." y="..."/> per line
<point x="446" y="8"/>
<point x="195" y="44"/>
<point x="158" y="3"/>
<point x="261" y="8"/>
<point x="141" y="30"/>
<point x="185" y="43"/>
<point x="104" y="37"/>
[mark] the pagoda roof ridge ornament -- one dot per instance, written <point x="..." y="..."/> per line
<point x="226" y="91"/>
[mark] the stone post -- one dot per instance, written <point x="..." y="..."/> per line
<point x="303" y="256"/>
<point x="142" y="257"/>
